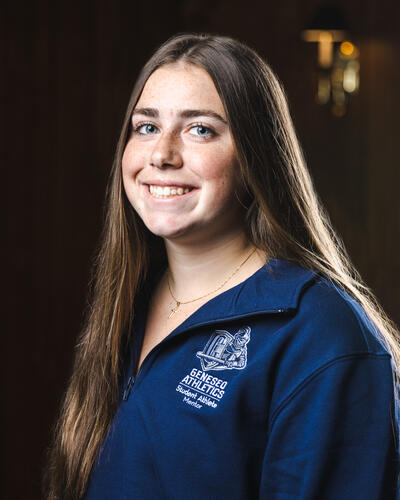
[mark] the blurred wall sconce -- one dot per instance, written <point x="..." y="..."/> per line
<point x="338" y="58"/>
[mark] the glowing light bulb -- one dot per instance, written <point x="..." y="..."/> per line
<point x="347" y="48"/>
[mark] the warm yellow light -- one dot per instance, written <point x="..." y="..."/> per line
<point x="325" y="40"/>
<point x="351" y="77"/>
<point x="324" y="89"/>
<point x="337" y="77"/>
<point x="323" y="35"/>
<point x="347" y="48"/>
<point x="325" y="53"/>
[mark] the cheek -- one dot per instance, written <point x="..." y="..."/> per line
<point x="129" y="171"/>
<point x="217" y="161"/>
<point x="127" y="160"/>
<point x="126" y="179"/>
<point x="130" y="168"/>
<point x="222" y="173"/>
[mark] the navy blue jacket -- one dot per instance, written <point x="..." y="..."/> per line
<point x="276" y="389"/>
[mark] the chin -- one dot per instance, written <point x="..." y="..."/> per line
<point x="167" y="226"/>
<point x="169" y="232"/>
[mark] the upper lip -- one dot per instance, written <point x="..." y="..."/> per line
<point x="168" y="183"/>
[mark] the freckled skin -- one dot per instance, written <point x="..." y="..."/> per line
<point x="174" y="149"/>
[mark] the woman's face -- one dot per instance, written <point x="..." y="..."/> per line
<point x="179" y="167"/>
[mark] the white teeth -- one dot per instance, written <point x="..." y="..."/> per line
<point x="167" y="191"/>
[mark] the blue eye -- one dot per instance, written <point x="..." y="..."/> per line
<point x="202" y="131"/>
<point x="146" y="129"/>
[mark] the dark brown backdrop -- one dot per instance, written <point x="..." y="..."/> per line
<point x="67" y="70"/>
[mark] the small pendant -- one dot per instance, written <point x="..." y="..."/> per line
<point x="174" y="309"/>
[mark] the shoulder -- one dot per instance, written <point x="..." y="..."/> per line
<point x="326" y="334"/>
<point x="327" y="345"/>
<point x="321" y="317"/>
<point x="336" y="321"/>
<point x="318" y="311"/>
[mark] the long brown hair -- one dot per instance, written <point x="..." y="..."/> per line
<point x="284" y="217"/>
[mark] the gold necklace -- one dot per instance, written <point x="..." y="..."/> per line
<point x="180" y="302"/>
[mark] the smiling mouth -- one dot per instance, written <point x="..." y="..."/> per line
<point x="168" y="191"/>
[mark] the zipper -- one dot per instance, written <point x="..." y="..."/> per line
<point x="128" y="388"/>
<point x="132" y="378"/>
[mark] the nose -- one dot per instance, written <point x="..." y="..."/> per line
<point x="166" y="152"/>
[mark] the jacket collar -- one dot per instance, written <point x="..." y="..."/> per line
<point x="275" y="287"/>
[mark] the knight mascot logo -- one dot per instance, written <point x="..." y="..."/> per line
<point x="225" y="351"/>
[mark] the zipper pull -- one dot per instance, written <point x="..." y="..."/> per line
<point x="129" y="385"/>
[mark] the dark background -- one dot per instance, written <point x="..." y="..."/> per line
<point x="67" y="69"/>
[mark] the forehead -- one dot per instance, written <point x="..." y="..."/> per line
<point x="179" y="86"/>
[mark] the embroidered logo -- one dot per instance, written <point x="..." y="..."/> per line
<point x="225" y="351"/>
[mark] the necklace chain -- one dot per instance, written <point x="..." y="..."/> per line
<point x="180" y="302"/>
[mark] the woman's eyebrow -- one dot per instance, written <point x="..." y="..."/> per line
<point x="194" y="113"/>
<point x="185" y="113"/>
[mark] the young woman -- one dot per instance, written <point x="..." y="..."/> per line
<point x="231" y="350"/>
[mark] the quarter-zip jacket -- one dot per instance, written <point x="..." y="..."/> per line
<point x="276" y="389"/>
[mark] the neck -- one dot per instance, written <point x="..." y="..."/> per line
<point x="197" y="270"/>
